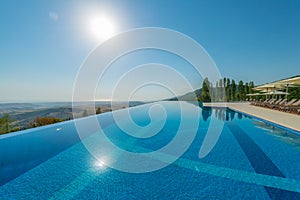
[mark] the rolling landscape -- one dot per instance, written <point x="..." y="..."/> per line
<point x="23" y="113"/>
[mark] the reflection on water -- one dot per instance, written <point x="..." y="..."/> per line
<point x="225" y="114"/>
<point x="281" y="134"/>
<point x="222" y="114"/>
<point x="101" y="166"/>
<point x="240" y="116"/>
<point x="206" y="113"/>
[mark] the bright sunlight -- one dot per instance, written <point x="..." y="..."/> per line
<point x="101" y="27"/>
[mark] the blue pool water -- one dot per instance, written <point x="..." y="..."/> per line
<point x="251" y="160"/>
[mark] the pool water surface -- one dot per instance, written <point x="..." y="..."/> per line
<point x="250" y="160"/>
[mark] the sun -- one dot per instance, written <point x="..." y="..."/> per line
<point x="101" y="27"/>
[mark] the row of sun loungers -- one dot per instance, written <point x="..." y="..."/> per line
<point x="292" y="106"/>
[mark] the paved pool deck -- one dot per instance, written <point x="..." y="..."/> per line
<point x="288" y="120"/>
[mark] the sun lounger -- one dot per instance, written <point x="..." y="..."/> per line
<point x="268" y="103"/>
<point x="259" y="102"/>
<point x="287" y="105"/>
<point x="277" y="103"/>
<point x="293" y="108"/>
<point x="271" y="103"/>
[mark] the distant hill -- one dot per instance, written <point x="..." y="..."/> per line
<point x="187" y="97"/>
<point x="22" y="119"/>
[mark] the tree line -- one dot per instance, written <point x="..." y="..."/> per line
<point x="225" y="90"/>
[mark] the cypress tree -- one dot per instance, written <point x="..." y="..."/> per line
<point x="240" y="90"/>
<point x="246" y="90"/>
<point x="233" y="90"/>
<point x="205" y="97"/>
<point x="228" y="90"/>
<point x="221" y="89"/>
<point x="217" y="93"/>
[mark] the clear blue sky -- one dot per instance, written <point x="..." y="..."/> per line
<point x="43" y="43"/>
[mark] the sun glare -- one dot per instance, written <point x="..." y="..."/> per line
<point x="101" y="27"/>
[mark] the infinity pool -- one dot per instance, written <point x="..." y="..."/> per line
<point x="251" y="159"/>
